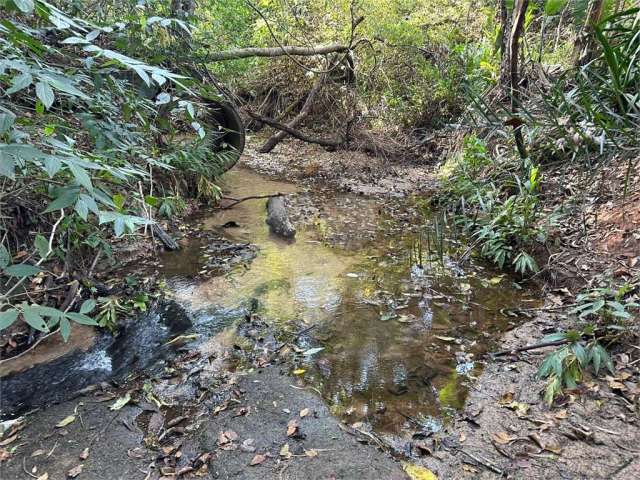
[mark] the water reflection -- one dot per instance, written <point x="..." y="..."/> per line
<point x="402" y="327"/>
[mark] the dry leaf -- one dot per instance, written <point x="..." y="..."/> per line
<point x="299" y="371"/>
<point x="561" y="414"/>
<point x="417" y="472"/>
<point x="231" y="435"/>
<point x="85" y="454"/>
<point x="503" y="438"/>
<point x="258" y="459"/>
<point x="553" y="448"/>
<point x="506" y="398"/>
<point x="222" y="439"/>
<point x="292" y="428"/>
<point x="304" y="412"/>
<point x="66" y="421"/>
<point x="313" y="453"/>
<point x="44" y="476"/>
<point x="37" y="453"/>
<point x="75" y="471"/>
<point x="7" y="441"/>
<point x="284" y="451"/>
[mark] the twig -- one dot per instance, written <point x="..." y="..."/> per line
<point x="244" y="199"/>
<point x="297" y="335"/>
<point x="484" y="462"/>
<point x="24" y="467"/>
<point x="530" y="347"/>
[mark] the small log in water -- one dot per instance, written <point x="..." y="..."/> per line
<point x="278" y="219"/>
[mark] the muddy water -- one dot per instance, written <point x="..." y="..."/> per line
<point x="399" y="323"/>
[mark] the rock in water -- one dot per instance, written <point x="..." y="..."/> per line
<point x="278" y="219"/>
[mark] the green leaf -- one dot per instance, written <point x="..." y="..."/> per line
<point x="151" y="200"/>
<point x="81" y="318"/>
<point x="580" y="353"/>
<point x="21" y="270"/>
<point x="75" y="41"/>
<point x="88" y="306"/>
<point x="20" y="82"/>
<point x="45" y="311"/>
<point x="82" y="209"/>
<point x="45" y="93"/>
<point x="5" y="257"/>
<point x="90" y="202"/>
<point x="33" y="318"/>
<point x="81" y="176"/>
<point x="118" y="201"/>
<point x="52" y="165"/>
<point x="65" y="328"/>
<point x="7" y="318"/>
<point x="63" y="84"/>
<point x="7" y="166"/>
<point x="555" y="337"/>
<point x="25" y="6"/>
<point x="42" y="245"/>
<point x="119" y="226"/>
<point x="6" y="121"/>
<point x="67" y="198"/>
<point x="553" y="7"/>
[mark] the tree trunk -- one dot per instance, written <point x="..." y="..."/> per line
<point x="584" y="46"/>
<point x="519" y="10"/>
<point x="505" y="23"/>
<point x="237" y="53"/>
<point x="304" y="113"/>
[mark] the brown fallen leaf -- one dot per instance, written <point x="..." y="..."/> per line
<point x="561" y="414"/>
<point x="37" y="453"/>
<point x="503" y="438"/>
<point x="8" y="440"/>
<point x="85" y="454"/>
<point x="506" y="398"/>
<point x="553" y="448"/>
<point x="4" y="455"/>
<point x="44" y="476"/>
<point x="292" y="428"/>
<point x="75" y="471"/>
<point x="241" y="412"/>
<point x="304" y="412"/>
<point x="258" y="459"/>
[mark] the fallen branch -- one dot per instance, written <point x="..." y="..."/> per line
<point x="285" y="50"/>
<point x="236" y="201"/>
<point x="482" y="461"/>
<point x="296" y="133"/>
<point x="304" y="113"/>
<point x="164" y="237"/>
<point x="529" y="347"/>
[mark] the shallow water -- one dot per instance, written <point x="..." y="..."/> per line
<point x="401" y="325"/>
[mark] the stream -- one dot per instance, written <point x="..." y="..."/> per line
<point x="398" y="326"/>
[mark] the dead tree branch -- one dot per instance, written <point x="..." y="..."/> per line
<point x="288" y="50"/>
<point x="325" y="142"/>
<point x="304" y="113"/>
